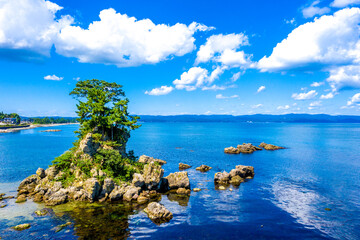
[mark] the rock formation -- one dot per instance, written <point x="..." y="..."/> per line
<point x="267" y="146"/>
<point x="235" y="177"/>
<point x="183" y="166"/>
<point x="244" y="148"/>
<point x="146" y="159"/>
<point x="203" y="168"/>
<point x="158" y="213"/>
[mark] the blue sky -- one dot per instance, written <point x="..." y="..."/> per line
<point x="183" y="57"/>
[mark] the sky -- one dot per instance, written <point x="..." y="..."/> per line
<point x="183" y="57"/>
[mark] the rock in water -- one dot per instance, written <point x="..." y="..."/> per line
<point x="57" y="198"/>
<point x="117" y="193"/>
<point x="222" y="178"/>
<point x="146" y="159"/>
<point x="178" y="180"/>
<point x="183" y="191"/>
<point x="203" y="168"/>
<point x="183" y="166"/>
<point x="270" y="146"/>
<point x="28" y="185"/>
<point x="158" y="213"/>
<point x="247" y="148"/>
<point x="131" y="193"/>
<point x="42" y="212"/>
<point x="152" y="175"/>
<point x="231" y="150"/>
<point x="196" y="189"/>
<point x="22" y="227"/>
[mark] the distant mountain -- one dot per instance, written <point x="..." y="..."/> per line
<point x="290" y="118"/>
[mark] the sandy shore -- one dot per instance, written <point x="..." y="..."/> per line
<point x="33" y="126"/>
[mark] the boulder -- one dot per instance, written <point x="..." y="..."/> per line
<point x="248" y="148"/>
<point x="107" y="187"/>
<point x="183" y="191"/>
<point x="22" y="227"/>
<point x="117" y="193"/>
<point x="196" y="189"/>
<point x="92" y="188"/>
<point x="243" y="171"/>
<point x="222" y="178"/>
<point x="158" y="213"/>
<point x="183" y="166"/>
<point x="178" y="180"/>
<point x="152" y="175"/>
<point x="231" y="150"/>
<point x="28" y="185"/>
<point x="146" y="159"/>
<point x="144" y="197"/>
<point x="40" y="172"/>
<point x="88" y="145"/>
<point x="131" y="193"/>
<point x="236" y="180"/>
<point x="51" y="172"/>
<point x="21" y="198"/>
<point x="203" y="168"/>
<point x="267" y="146"/>
<point x="138" y="180"/>
<point x="57" y="198"/>
<point x="222" y="188"/>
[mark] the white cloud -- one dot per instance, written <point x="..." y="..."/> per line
<point x="28" y="28"/>
<point x="256" y="106"/>
<point x="317" y="84"/>
<point x="76" y="78"/>
<point x="304" y="96"/>
<point x="327" y="41"/>
<point x="163" y="90"/>
<point x="220" y="96"/>
<point x="261" y="88"/>
<point x="291" y="21"/>
<point x="327" y="96"/>
<point x="223" y="49"/>
<point x="216" y="87"/>
<point x="192" y="79"/>
<point x="53" y="78"/>
<point x="315" y="104"/>
<point x="313" y="10"/>
<point x="344" y="3"/>
<point x="355" y="100"/>
<point x="283" y="107"/>
<point x="344" y="77"/>
<point x="236" y="76"/>
<point x="125" y="41"/>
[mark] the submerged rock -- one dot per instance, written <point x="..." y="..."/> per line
<point x="158" y="213"/>
<point x="203" y="168"/>
<point x="62" y="226"/>
<point x="146" y="159"/>
<point x="183" y="166"/>
<point x="20" y="199"/>
<point x="21" y="227"/>
<point x="267" y="146"/>
<point x="42" y="212"/>
<point x="178" y="180"/>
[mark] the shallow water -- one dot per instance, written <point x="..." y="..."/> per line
<point x="286" y="199"/>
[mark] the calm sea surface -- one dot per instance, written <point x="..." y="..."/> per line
<point x="289" y="197"/>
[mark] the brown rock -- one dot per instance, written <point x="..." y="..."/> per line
<point x="178" y="180"/>
<point x="183" y="166"/>
<point x="270" y="146"/>
<point x="203" y="168"/>
<point x="183" y="191"/>
<point x="146" y="159"/>
<point x="231" y="150"/>
<point x="158" y="213"/>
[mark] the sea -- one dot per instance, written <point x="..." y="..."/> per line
<point x="310" y="190"/>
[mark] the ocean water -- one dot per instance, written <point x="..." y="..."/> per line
<point x="311" y="190"/>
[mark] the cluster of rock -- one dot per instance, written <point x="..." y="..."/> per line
<point x="250" y="148"/>
<point x="235" y="176"/>
<point x="3" y="199"/>
<point x="45" y="187"/>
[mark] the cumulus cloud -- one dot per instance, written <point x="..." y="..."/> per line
<point x="314" y="10"/>
<point x="261" y="88"/>
<point x="328" y="40"/>
<point x="317" y="84"/>
<point x="53" y="78"/>
<point x="163" y="90"/>
<point x="220" y="96"/>
<point x="283" y="107"/>
<point x="304" y="96"/>
<point x="28" y="28"/>
<point x="344" y="3"/>
<point x="192" y="79"/>
<point x="355" y="100"/>
<point x="327" y="96"/>
<point x="125" y="41"/>
<point x="224" y="49"/>
<point x="236" y="76"/>
<point x="344" y="77"/>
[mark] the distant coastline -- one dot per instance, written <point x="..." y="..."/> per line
<point x="9" y="130"/>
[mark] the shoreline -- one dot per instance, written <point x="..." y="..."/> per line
<point x="32" y="126"/>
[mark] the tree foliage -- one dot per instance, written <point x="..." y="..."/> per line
<point x="103" y="105"/>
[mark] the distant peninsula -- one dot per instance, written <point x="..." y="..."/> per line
<point x="256" y="118"/>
